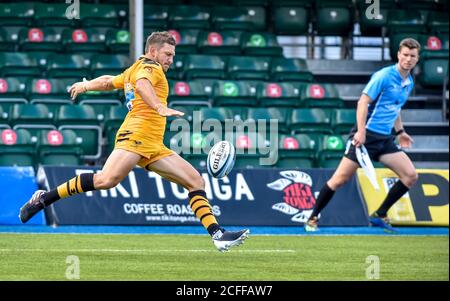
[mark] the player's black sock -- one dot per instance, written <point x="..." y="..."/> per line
<point x="79" y="184"/>
<point x="202" y="209"/>
<point x="325" y="195"/>
<point x="396" y="192"/>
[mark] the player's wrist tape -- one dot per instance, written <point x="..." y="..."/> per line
<point x="400" y="131"/>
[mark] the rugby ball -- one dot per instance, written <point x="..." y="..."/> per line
<point x="221" y="159"/>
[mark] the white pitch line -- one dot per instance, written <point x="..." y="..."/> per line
<point x="141" y="250"/>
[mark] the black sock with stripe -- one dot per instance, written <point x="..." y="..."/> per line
<point x="202" y="209"/>
<point x="79" y="184"/>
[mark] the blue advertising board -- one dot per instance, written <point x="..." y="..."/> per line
<point x="17" y="186"/>
<point x="269" y="197"/>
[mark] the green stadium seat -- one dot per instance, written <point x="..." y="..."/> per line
<point x="118" y="40"/>
<point x="406" y="21"/>
<point x="257" y="17"/>
<point x="264" y="3"/>
<point x="113" y="121"/>
<point x="17" y="148"/>
<point x="42" y="88"/>
<point x="5" y="43"/>
<point x="67" y="65"/>
<point x="186" y="40"/>
<point x="32" y="117"/>
<point x="238" y="18"/>
<point x="420" y="4"/>
<point x="225" y="42"/>
<point x="204" y="66"/>
<point x="215" y="113"/>
<point x="331" y="150"/>
<point x="83" y="120"/>
<point x="53" y="14"/>
<point x="291" y="20"/>
<point x="90" y="39"/>
<point x="278" y="94"/>
<point x="76" y="115"/>
<point x="296" y="151"/>
<point x="238" y="112"/>
<point x="188" y="111"/>
<point x="40" y="39"/>
<point x="248" y="68"/>
<point x="20" y="14"/>
<point x="290" y="69"/>
<point x="101" y="106"/>
<point x="194" y="145"/>
<point x="300" y="145"/>
<point x="189" y="16"/>
<point x="234" y="93"/>
<point x="9" y="38"/>
<point x="434" y="46"/>
<point x="3" y="119"/>
<point x="59" y="148"/>
<point x="156" y="16"/>
<point x="188" y="92"/>
<point x="266" y="114"/>
<point x="310" y="120"/>
<point x="433" y="71"/>
<point x="18" y="64"/>
<point x="342" y="120"/>
<point x="98" y="15"/>
<point x="12" y="90"/>
<point x="334" y="18"/>
<point x="247" y="144"/>
<point x="321" y="95"/>
<point x="52" y="104"/>
<point x="260" y="44"/>
<point x="30" y="114"/>
<point x="102" y="64"/>
<point x="438" y="22"/>
<point x="202" y="142"/>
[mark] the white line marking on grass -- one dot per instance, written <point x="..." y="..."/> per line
<point x="143" y="251"/>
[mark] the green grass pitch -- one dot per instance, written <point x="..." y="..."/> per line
<point x="193" y="257"/>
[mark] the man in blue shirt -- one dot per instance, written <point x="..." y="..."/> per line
<point x="377" y="114"/>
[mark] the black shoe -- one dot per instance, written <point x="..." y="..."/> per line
<point x="33" y="206"/>
<point x="230" y="239"/>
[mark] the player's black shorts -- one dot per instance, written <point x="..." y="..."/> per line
<point x="376" y="145"/>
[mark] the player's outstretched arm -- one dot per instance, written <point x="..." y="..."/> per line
<point x="145" y="89"/>
<point x="101" y="83"/>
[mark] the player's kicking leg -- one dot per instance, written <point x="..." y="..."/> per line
<point x="116" y="168"/>
<point x="177" y="170"/>
<point x="400" y="163"/>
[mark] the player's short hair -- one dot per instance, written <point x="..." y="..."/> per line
<point x="158" y="38"/>
<point x="409" y="43"/>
